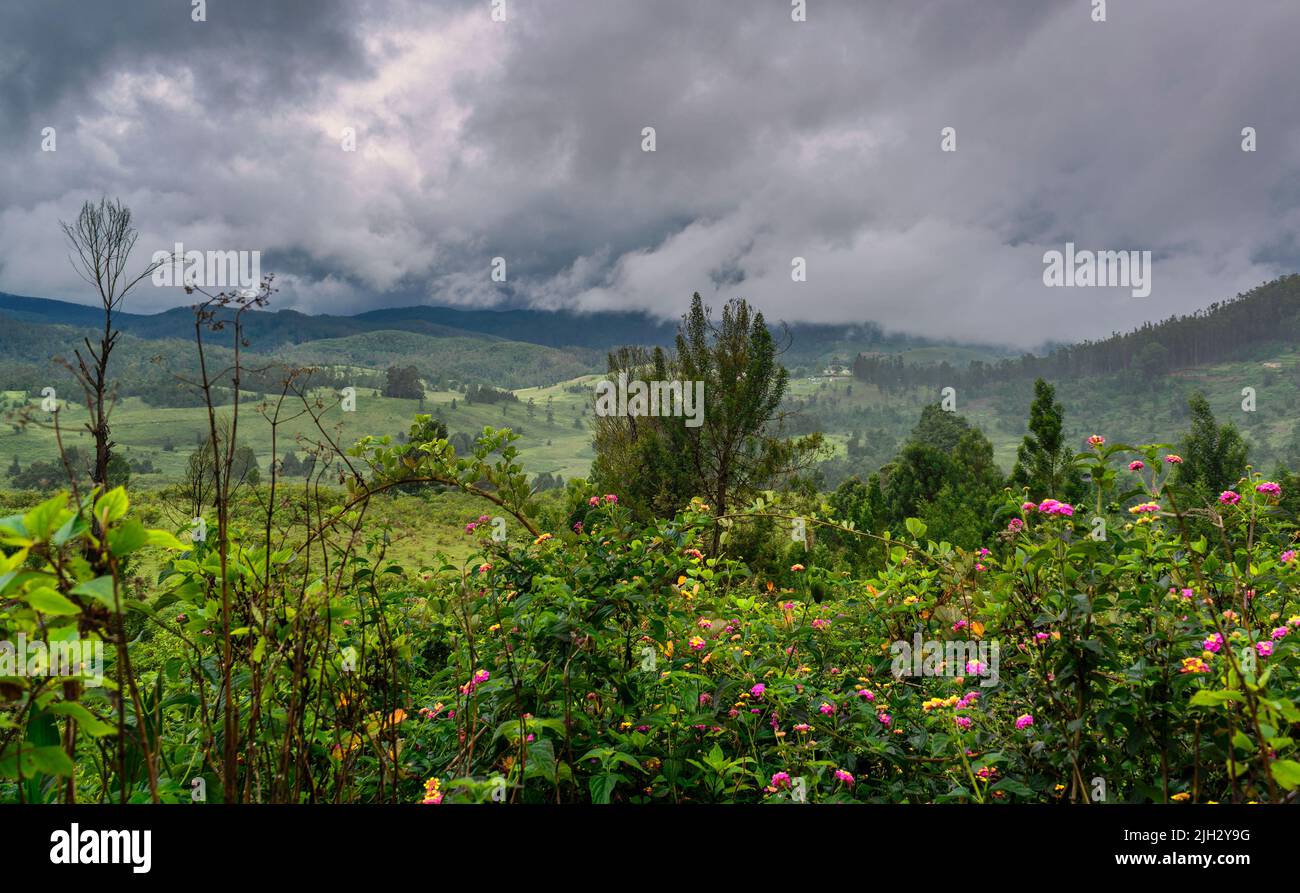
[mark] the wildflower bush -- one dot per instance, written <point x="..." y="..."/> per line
<point x="1147" y="652"/>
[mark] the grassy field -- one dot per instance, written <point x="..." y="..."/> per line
<point x="423" y="529"/>
<point x="167" y="436"/>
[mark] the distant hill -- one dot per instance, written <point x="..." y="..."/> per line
<point x="146" y="366"/>
<point x="274" y="328"/>
<point x="553" y="328"/>
<point x="807" y="344"/>
<point x="477" y="359"/>
<point x="1224" y="331"/>
<point x="1252" y="325"/>
<point x="45" y="310"/>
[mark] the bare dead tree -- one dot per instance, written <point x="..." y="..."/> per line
<point x="102" y="239"/>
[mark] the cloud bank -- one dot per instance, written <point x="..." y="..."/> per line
<point x="478" y="139"/>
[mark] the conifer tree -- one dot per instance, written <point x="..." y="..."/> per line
<point x="1044" y="462"/>
<point x="1214" y="456"/>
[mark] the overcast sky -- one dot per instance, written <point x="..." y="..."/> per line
<point x="775" y="139"/>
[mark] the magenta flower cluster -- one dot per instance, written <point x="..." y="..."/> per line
<point x="1049" y="507"/>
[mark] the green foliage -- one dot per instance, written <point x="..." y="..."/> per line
<point x="737" y="449"/>
<point x="58" y="616"/>
<point x="699" y="623"/>
<point x="1045" y="462"/>
<point x="613" y="662"/>
<point x="1214" y="455"/>
<point x="621" y="665"/>
<point x="403" y="382"/>
<point x="944" y="474"/>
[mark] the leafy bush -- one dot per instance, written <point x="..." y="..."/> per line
<point x="619" y="663"/>
<point x="613" y="660"/>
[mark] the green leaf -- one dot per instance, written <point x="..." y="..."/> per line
<point x="100" y="589"/>
<point x="1286" y="773"/>
<point x="127" y="537"/>
<point x="602" y="786"/>
<point x="47" y="601"/>
<point x="541" y="760"/>
<point x="74" y="527"/>
<point x="86" y="721"/>
<point x="111" y="506"/>
<point x="43" y="520"/>
<point x="47" y="760"/>
<point x="1207" y="698"/>
<point x="1020" y="789"/>
<point x="164" y="539"/>
<point x="51" y="760"/>
<point x="13" y="530"/>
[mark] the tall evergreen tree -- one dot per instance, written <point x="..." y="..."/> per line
<point x="1214" y="456"/>
<point x="1044" y="461"/>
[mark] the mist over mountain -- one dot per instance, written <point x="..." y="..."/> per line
<point x="596" y="330"/>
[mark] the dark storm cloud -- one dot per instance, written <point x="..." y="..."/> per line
<point x="821" y="140"/>
<point x="248" y="50"/>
